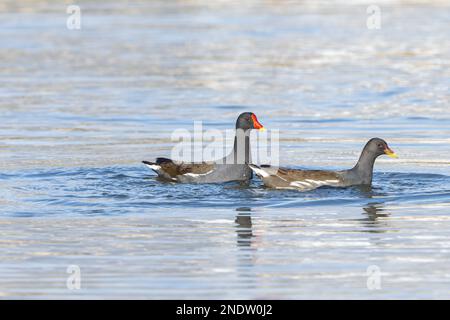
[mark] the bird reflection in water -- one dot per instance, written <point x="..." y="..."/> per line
<point x="375" y="211"/>
<point x="247" y="253"/>
<point x="372" y="222"/>
<point x="244" y="227"/>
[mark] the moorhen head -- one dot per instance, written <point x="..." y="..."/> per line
<point x="377" y="147"/>
<point x="247" y="121"/>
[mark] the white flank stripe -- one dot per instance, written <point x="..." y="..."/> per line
<point x="316" y="182"/>
<point x="308" y="183"/>
<point x="301" y="184"/>
<point x="197" y="174"/>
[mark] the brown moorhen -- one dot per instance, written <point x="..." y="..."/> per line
<point x="304" y="180"/>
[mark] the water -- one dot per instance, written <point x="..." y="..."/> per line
<point x="81" y="109"/>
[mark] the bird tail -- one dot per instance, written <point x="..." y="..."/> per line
<point x="152" y="165"/>
<point x="156" y="166"/>
<point x="259" y="171"/>
<point x="163" y="160"/>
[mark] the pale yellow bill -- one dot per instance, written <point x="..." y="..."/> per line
<point x="391" y="153"/>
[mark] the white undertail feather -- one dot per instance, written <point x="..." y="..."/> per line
<point x="259" y="171"/>
<point x="153" y="166"/>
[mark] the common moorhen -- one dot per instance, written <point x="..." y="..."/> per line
<point x="233" y="167"/>
<point x="303" y="180"/>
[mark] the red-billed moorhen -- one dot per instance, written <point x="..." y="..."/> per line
<point x="233" y="167"/>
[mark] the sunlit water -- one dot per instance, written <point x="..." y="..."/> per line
<point x="80" y="109"/>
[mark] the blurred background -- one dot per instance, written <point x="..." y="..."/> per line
<point x="112" y="91"/>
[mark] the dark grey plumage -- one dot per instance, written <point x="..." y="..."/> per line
<point x="233" y="167"/>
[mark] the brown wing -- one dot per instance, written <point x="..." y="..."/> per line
<point x="196" y="168"/>
<point x="175" y="169"/>
<point x="292" y="175"/>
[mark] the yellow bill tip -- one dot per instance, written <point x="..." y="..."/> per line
<point x="391" y="154"/>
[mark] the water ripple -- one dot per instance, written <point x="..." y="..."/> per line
<point x="129" y="189"/>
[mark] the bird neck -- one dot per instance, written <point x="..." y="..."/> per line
<point x="364" y="166"/>
<point x="241" y="147"/>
